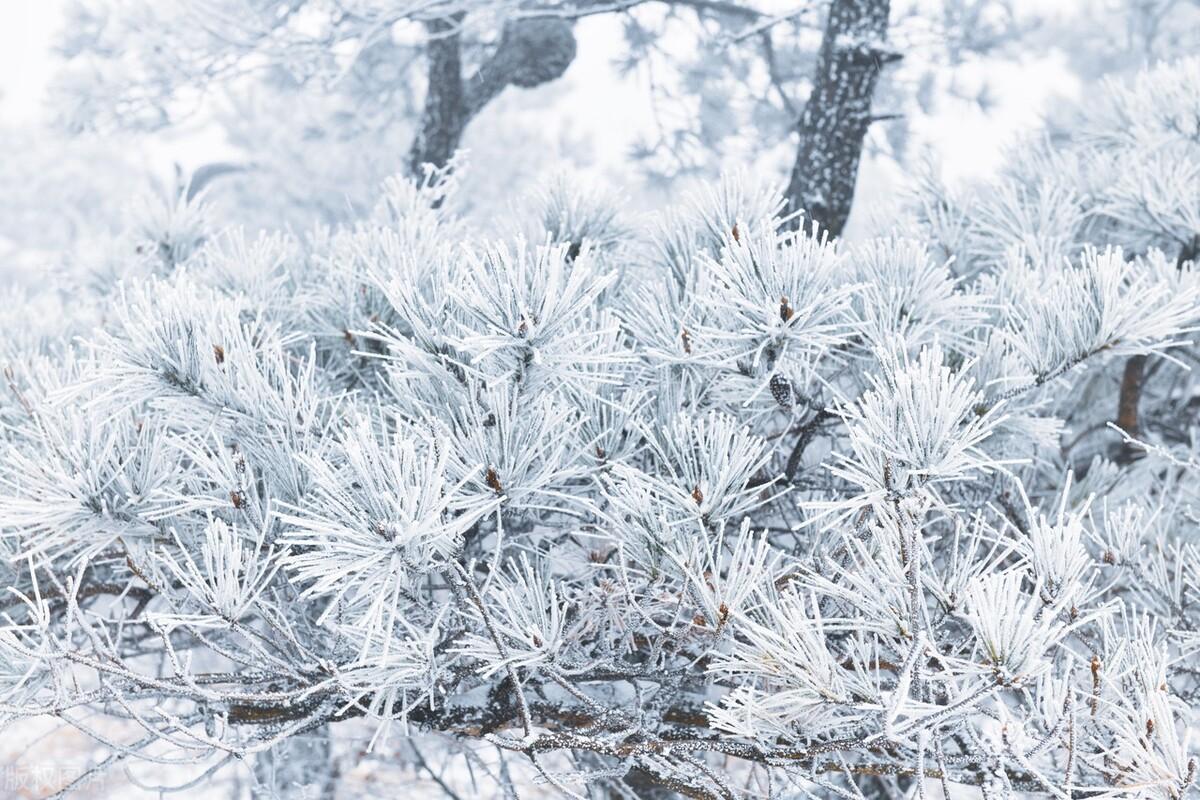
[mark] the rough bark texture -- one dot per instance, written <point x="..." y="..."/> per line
<point x="530" y="52"/>
<point x="838" y="112"/>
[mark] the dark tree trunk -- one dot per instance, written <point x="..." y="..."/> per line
<point x="530" y="52"/>
<point x="838" y="112"/>
<point x="445" y="113"/>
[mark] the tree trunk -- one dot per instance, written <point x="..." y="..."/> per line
<point x="838" y="113"/>
<point x="445" y="114"/>
<point x="530" y="52"/>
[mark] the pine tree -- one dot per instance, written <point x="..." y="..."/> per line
<point x="718" y="506"/>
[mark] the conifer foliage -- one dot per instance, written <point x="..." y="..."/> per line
<point x="717" y="506"/>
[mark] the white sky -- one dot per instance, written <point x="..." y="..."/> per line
<point x="27" y="29"/>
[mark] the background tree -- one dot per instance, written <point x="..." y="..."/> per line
<point x="180" y="52"/>
<point x="730" y="83"/>
<point x="536" y="44"/>
<point x="838" y="112"/>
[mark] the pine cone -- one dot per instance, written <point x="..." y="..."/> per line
<point x="781" y="390"/>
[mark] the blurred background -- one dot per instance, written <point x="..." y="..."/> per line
<point x="296" y="123"/>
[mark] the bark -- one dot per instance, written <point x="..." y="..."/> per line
<point x="1131" y="392"/>
<point x="838" y="113"/>
<point x="444" y="116"/>
<point x="1133" y="378"/>
<point x="530" y="52"/>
